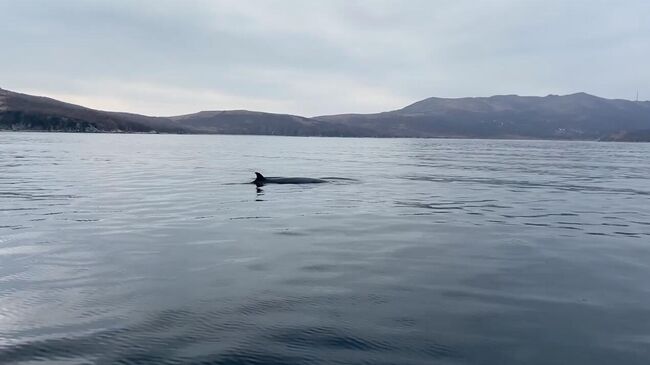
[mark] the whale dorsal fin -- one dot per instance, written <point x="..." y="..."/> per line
<point x="259" y="177"/>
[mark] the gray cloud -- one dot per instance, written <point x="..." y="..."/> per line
<point x="318" y="57"/>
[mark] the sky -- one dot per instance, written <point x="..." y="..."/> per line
<point x="312" y="57"/>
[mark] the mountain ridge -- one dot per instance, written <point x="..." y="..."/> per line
<point x="577" y="116"/>
<point x="573" y="116"/>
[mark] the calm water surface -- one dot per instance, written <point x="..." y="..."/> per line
<point x="148" y="249"/>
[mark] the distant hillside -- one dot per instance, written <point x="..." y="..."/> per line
<point x="573" y="117"/>
<point x="247" y="122"/>
<point x="642" y="135"/>
<point x="35" y="113"/>
<point x="27" y="112"/>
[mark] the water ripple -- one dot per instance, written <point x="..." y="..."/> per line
<point x="149" y="249"/>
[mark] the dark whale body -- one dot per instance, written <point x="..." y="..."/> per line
<point x="260" y="180"/>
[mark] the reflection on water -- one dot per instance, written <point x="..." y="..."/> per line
<point x="151" y="249"/>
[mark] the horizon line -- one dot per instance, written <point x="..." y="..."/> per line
<point x="323" y="115"/>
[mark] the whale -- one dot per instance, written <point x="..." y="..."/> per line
<point x="260" y="180"/>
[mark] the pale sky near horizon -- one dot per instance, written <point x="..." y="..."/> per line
<point x="319" y="57"/>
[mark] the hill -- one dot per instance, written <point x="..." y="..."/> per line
<point x="35" y="113"/>
<point x="576" y="116"/>
<point x="27" y="112"/>
<point x="571" y="117"/>
<point x="259" y="123"/>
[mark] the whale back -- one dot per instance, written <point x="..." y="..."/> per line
<point x="260" y="180"/>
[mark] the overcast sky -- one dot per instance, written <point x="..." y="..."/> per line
<point x="319" y="57"/>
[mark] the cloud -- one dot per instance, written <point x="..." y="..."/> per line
<point x="318" y="57"/>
